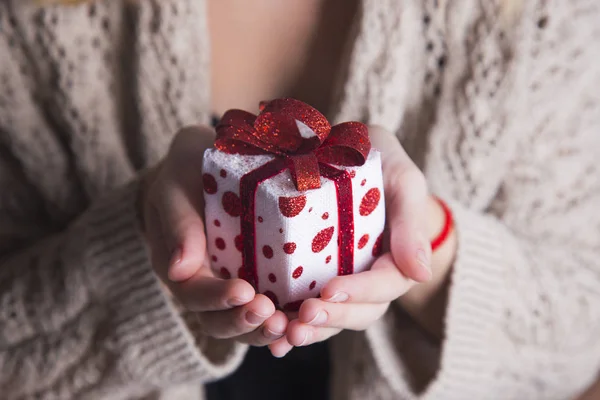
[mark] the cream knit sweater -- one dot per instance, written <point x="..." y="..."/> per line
<point x="502" y="114"/>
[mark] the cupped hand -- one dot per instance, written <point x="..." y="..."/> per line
<point x="354" y="302"/>
<point x="171" y="205"/>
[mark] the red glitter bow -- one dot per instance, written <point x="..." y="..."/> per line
<point x="296" y="131"/>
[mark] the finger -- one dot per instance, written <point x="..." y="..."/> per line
<point x="204" y="292"/>
<point x="356" y="317"/>
<point x="382" y="284"/>
<point x="238" y="321"/>
<point x="178" y="198"/>
<point x="182" y="229"/>
<point x="271" y="330"/>
<point x="280" y="348"/>
<point x="300" y="334"/>
<point x="406" y="205"/>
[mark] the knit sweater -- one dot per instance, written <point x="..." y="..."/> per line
<point x="502" y="113"/>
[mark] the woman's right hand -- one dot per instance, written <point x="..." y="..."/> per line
<point x="171" y="205"/>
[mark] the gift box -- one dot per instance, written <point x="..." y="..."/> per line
<point x="291" y="202"/>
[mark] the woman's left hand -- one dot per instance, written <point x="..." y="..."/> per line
<point x="356" y="301"/>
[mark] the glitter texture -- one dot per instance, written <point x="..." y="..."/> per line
<point x="210" y="184"/>
<point x="322" y="239"/>
<point x="325" y="215"/>
<point x="362" y="242"/>
<point x="377" y="247"/>
<point x="291" y="206"/>
<point x="352" y="174"/>
<point x="232" y="204"/>
<point x="363" y="182"/>
<point x="327" y="259"/>
<point x="289" y="248"/>
<point x="297" y="272"/>
<point x="369" y="202"/>
<point x="312" y="285"/>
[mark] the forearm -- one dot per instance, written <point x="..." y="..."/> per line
<point x="83" y="310"/>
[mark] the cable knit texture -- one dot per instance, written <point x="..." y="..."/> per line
<point x="501" y="111"/>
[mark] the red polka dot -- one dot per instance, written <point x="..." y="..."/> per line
<point x="225" y="274"/>
<point x="267" y="251"/>
<point x="289" y="248"/>
<point x="362" y="242"/>
<point x="239" y="243"/>
<point x="260" y="219"/>
<point x="242" y="273"/>
<point x="223" y="173"/>
<point x="280" y="230"/>
<point x="210" y="183"/>
<point x="291" y="206"/>
<point x="293" y="306"/>
<point x="217" y="222"/>
<point x="312" y="285"/>
<point x="369" y="202"/>
<point x="352" y="173"/>
<point x="327" y="259"/>
<point x="377" y="246"/>
<point x="232" y="204"/>
<point x="297" y="272"/>
<point x="322" y="239"/>
<point x="310" y="209"/>
<point x="363" y="182"/>
<point x="272" y="278"/>
<point x="272" y="296"/>
<point x="220" y="243"/>
<point x="214" y="258"/>
<point x="325" y="215"/>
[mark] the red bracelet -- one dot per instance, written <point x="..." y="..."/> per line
<point x="446" y="229"/>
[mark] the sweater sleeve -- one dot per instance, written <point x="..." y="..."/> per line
<point x="523" y="313"/>
<point x="82" y="314"/>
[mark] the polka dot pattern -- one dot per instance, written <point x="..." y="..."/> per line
<point x="289" y="248"/>
<point x="210" y="184"/>
<point x="232" y="204"/>
<point x="291" y="206"/>
<point x="322" y="239"/>
<point x="369" y="202"/>
<point x="362" y="242"/>
<point x="296" y="244"/>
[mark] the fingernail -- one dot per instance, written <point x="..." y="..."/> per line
<point x="319" y="319"/>
<point x="175" y="264"/>
<point x="254" y="319"/>
<point x="175" y="257"/>
<point x="424" y="261"/>
<point x="269" y="334"/>
<point x="307" y="337"/>
<point x="339" y="297"/>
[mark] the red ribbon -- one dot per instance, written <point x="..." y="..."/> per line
<point x="297" y="132"/>
<point x="304" y="142"/>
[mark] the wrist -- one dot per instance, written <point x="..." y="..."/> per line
<point x="426" y="302"/>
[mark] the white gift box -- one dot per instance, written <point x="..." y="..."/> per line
<point x="290" y="247"/>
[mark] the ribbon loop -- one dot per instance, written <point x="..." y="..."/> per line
<point x="296" y="131"/>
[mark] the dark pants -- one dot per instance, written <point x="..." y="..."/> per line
<point x="302" y="374"/>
